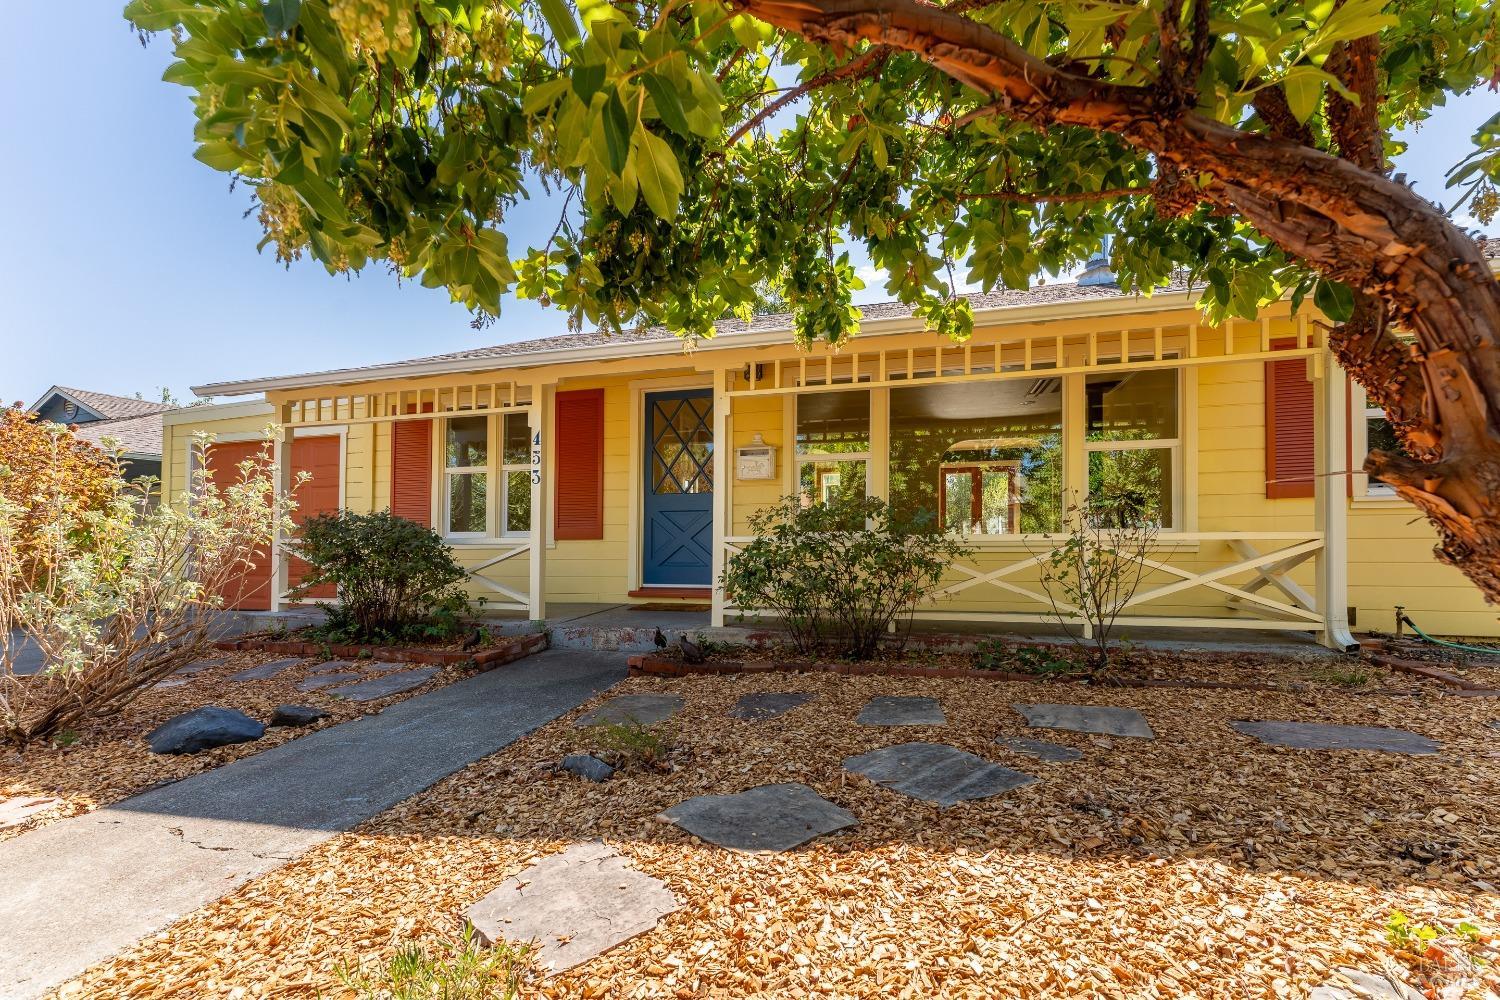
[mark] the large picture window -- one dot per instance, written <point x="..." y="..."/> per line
<point x="1132" y="437"/>
<point x="833" y="444"/>
<point x="471" y="508"/>
<point x="979" y="458"/>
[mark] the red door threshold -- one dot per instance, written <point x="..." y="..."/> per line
<point x="692" y="593"/>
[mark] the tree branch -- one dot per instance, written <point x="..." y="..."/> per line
<point x="865" y="64"/>
<point x="1065" y="198"/>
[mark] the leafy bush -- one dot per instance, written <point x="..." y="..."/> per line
<point x="464" y="971"/>
<point x="116" y="599"/>
<point x="997" y="654"/>
<point x="839" y="574"/>
<point x="396" y="579"/>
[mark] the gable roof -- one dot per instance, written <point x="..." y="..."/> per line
<point x="102" y="404"/>
<point x="140" y="436"/>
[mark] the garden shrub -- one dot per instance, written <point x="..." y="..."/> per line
<point x="839" y="574"/>
<point x="464" y="970"/>
<point x="396" y="579"/>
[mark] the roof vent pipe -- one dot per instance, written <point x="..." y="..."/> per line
<point x="1096" y="271"/>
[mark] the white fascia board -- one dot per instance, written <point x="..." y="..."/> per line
<point x="204" y="412"/>
<point x="998" y="316"/>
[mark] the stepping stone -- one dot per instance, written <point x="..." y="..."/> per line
<point x="264" y="671"/>
<point x="1356" y="985"/>
<point x="1052" y="753"/>
<point x="1087" y="719"/>
<point x="381" y="667"/>
<point x="170" y="682"/>
<point x="893" y="711"/>
<point x="574" y="905"/>
<point x="936" y="773"/>
<point x="767" y="705"/>
<point x="643" y="709"/>
<point x="331" y="666"/>
<point x="321" y="681"/>
<point x="587" y="766"/>
<point x="1322" y="736"/>
<point x="203" y="729"/>
<point x="197" y="666"/>
<point x="296" y="715"/>
<point x="385" y="685"/>
<point x="17" y="810"/>
<point x="764" y="818"/>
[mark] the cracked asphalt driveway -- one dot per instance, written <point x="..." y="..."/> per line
<point x="77" y="891"/>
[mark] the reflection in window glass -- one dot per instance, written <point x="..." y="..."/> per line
<point x="981" y="458"/>
<point x="829" y="481"/>
<point x="468" y="502"/>
<point x="831" y="423"/>
<point x="1132" y="487"/>
<point x="1138" y="406"/>
<point x="517" y="510"/>
<point x="468" y="442"/>
<point x="682" y="445"/>
<point x="517" y="444"/>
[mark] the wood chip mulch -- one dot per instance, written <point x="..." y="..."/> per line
<point x="1200" y="865"/>
<point x="110" y="760"/>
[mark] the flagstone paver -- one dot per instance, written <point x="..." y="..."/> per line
<point x="1052" y="753"/>
<point x="889" y="710"/>
<point x="763" y="705"/>
<point x="1098" y="719"/>
<point x="331" y="667"/>
<point x="320" y="681"/>
<point x="936" y="772"/>
<point x="264" y="671"/>
<point x="17" y="810"/>
<point x="385" y="685"/>
<point x="643" y="709"/>
<point x="575" y="905"/>
<point x="765" y="818"/>
<point x="1323" y="736"/>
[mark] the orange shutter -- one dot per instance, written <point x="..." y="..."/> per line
<point x="411" y="470"/>
<point x="1289" y="427"/>
<point x="579" y="437"/>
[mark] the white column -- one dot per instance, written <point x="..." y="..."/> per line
<point x="541" y="470"/>
<point x="723" y="512"/>
<point x="281" y="455"/>
<point x="1331" y="497"/>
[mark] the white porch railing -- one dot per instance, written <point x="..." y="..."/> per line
<point x="1000" y="589"/>
<point x="515" y="600"/>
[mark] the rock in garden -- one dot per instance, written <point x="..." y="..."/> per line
<point x="1323" y="736"/>
<point x="587" y="766"/>
<point x="574" y="905"/>
<point x="764" y="818"/>
<point x="385" y="685"/>
<point x="203" y="729"/>
<point x="264" y="671"/>
<point x="763" y="705"/>
<point x="896" y="711"/>
<point x="296" y="715"/>
<point x="642" y="709"/>
<point x="936" y="772"/>
<point x="1098" y="719"/>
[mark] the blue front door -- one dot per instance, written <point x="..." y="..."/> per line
<point x="678" y="549"/>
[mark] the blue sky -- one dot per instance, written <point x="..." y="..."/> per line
<point x="128" y="266"/>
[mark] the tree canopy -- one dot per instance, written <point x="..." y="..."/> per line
<point x="703" y="149"/>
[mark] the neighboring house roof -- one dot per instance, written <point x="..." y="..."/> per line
<point x="102" y="405"/>
<point x="139" y="436"/>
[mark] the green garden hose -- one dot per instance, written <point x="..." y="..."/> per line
<point x="1403" y="619"/>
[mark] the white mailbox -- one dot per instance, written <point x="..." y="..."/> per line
<point x="756" y="460"/>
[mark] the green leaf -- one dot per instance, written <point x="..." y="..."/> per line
<point x="1304" y="90"/>
<point x="1334" y="299"/>
<point x="656" y="168"/>
<point x="587" y="80"/>
<point x="668" y="104"/>
<point x="560" y="20"/>
<point x="616" y="133"/>
<point x="544" y="95"/>
<point x="281" y="15"/>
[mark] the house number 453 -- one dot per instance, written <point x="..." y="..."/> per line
<point x="536" y="457"/>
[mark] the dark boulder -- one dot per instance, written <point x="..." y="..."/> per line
<point x="296" y="715"/>
<point x="203" y="729"/>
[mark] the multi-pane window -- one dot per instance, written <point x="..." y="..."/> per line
<point x="471" y="508"/>
<point x="833" y="444"/>
<point x="1131" y="435"/>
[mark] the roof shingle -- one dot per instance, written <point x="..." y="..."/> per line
<point x="114" y="407"/>
<point x="138" y="435"/>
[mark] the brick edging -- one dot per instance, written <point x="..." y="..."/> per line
<point x="513" y="648"/>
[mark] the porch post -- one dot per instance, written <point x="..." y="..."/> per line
<point x="281" y="455"/>
<point x="1330" y="497"/>
<point x="723" y="510"/>
<point x="540" y="420"/>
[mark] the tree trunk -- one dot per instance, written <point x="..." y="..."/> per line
<point x="1350" y="223"/>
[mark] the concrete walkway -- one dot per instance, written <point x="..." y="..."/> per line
<point x="80" y="890"/>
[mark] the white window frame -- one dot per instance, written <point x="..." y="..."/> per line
<point x="1359" y="446"/>
<point x="449" y="471"/>
<point x="817" y="458"/>
<point x="1172" y="444"/>
<point x="497" y="471"/>
<point x="527" y="465"/>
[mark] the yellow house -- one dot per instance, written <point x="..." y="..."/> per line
<point x="623" y="469"/>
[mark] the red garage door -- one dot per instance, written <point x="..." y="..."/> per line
<point x="251" y="591"/>
<point x="319" y="458"/>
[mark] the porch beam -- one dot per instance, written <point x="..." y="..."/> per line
<point x="1330" y="498"/>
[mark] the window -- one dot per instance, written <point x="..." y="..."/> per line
<point x="1131" y="435"/>
<point x="979" y="458"/>
<point x="833" y="444"/>
<point x="469" y="469"/>
<point x="1379" y="436"/>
